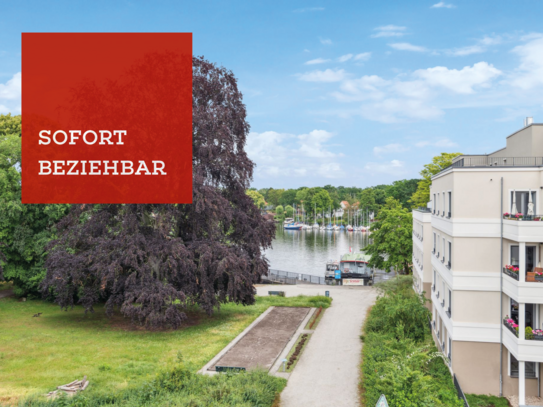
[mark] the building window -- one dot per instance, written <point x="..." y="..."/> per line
<point x="450" y="255"/>
<point x="435" y="281"/>
<point x="522" y="201"/>
<point x="435" y="203"/>
<point x="450" y="204"/>
<point x="443" y="204"/>
<point x="530" y="368"/>
<point x="450" y="305"/>
<point x="443" y="258"/>
<point x="450" y="349"/>
<point x="434" y="243"/>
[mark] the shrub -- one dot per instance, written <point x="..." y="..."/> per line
<point x="399" y="357"/>
<point x="399" y="311"/>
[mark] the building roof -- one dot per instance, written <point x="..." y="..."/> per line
<point x="356" y="256"/>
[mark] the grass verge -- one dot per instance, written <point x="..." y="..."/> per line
<point x="296" y="352"/>
<point x="315" y="319"/>
<point x="480" y="400"/>
<point x="39" y="354"/>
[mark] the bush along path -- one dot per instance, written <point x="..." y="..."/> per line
<point x="399" y="358"/>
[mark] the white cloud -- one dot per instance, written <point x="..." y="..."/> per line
<point x="289" y="155"/>
<point x="364" y="56"/>
<point x="469" y="50"/>
<point x="444" y="142"/>
<point x="325" y="41"/>
<point x="317" y="61"/>
<point x="482" y="45"/>
<point x="388" y="149"/>
<point x="10" y="95"/>
<point x="308" y="9"/>
<point x="311" y="144"/>
<point x="529" y="73"/>
<point x="345" y="58"/>
<point x="414" y="96"/>
<point x="394" y="167"/>
<point x="395" y="110"/>
<point x="442" y="4"/>
<point x="328" y="75"/>
<point x="389" y="31"/>
<point x="405" y="46"/>
<point x="459" y="81"/>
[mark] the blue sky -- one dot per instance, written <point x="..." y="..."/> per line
<point x="344" y="93"/>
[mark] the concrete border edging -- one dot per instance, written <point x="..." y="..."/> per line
<point x="276" y="367"/>
<point x="204" y="370"/>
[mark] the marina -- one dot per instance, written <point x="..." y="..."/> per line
<point x="303" y="255"/>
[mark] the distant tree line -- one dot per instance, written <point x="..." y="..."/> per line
<point x="324" y="198"/>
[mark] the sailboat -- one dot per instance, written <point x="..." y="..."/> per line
<point x="294" y="226"/>
<point x="349" y="227"/>
<point x="330" y="227"/>
<point x="315" y="225"/>
<point x="336" y="227"/>
<point x="322" y="227"/>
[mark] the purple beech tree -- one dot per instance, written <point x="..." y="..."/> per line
<point x="151" y="261"/>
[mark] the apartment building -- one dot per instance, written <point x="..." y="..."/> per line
<point x="477" y="256"/>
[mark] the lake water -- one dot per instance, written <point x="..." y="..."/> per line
<point x="307" y="251"/>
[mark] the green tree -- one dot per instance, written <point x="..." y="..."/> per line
<point x="366" y="200"/>
<point x="264" y="192"/>
<point x="402" y="190"/>
<point x="279" y="211"/>
<point x="24" y="229"/>
<point x="422" y="195"/>
<point x="274" y="195"/>
<point x="289" y="211"/>
<point x="288" y="197"/>
<point x="257" y="198"/>
<point x="392" y="240"/>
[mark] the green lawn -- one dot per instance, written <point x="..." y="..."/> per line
<point x="38" y="354"/>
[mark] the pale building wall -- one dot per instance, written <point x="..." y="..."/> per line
<point x="476" y="306"/>
<point x="476" y="254"/>
<point x="477" y="366"/>
<point x="519" y="144"/>
<point x="477" y="192"/>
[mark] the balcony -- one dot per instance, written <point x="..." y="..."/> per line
<point x="487" y="161"/>
<point x="425" y="210"/>
<point x="522" y="349"/>
<point x="523" y="228"/>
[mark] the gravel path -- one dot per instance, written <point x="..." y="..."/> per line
<point x="328" y="372"/>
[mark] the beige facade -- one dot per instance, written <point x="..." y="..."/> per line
<point x="466" y="243"/>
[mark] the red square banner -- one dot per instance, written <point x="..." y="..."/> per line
<point x="106" y="118"/>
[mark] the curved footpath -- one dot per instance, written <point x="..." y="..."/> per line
<point x="328" y="372"/>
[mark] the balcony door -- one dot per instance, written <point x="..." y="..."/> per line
<point x="530" y="257"/>
<point x="529" y="313"/>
